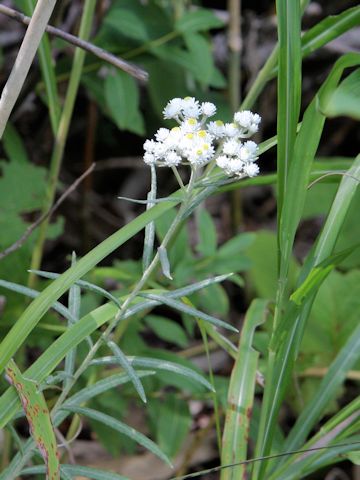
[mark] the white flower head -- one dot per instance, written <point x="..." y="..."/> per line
<point x="149" y="158"/>
<point x="162" y="134"/>
<point x="248" y="122"/>
<point x="190" y="125"/>
<point x="222" y="161"/>
<point x="149" y="146"/>
<point x="231" y="130"/>
<point x="173" y="108"/>
<point x="197" y="141"/>
<point x="232" y="147"/>
<point x="217" y="128"/>
<point x="208" y="109"/>
<point x="190" y="107"/>
<point x="251" y="169"/>
<point x="172" y="159"/>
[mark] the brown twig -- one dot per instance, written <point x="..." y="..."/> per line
<point x="15" y="246"/>
<point x="131" y="69"/>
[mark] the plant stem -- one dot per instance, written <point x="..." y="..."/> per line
<point x="62" y="133"/>
<point x="24" y="59"/>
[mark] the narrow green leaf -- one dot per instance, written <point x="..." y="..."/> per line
<point x="182" y="307"/>
<point x="155" y="364"/>
<point x="164" y="262"/>
<point x="149" y="237"/>
<point x="329" y="29"/>
<point x="241" y="395"/>
<point x="121" y="428"/>
<point x="31" y="293"/>
<point x="102" y="386"/>
<point x="77" y="471"/>
<point x="81" y="283"/>
<point x="74" y="307"/>
<point x="124" y="363"/>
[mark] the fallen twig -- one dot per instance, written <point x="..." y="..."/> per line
<point x="15" y="246"/>
<point x="130" y="68"/>
<point x="29" y="46"/>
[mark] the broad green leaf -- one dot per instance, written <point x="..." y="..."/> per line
<point x="207" y="234"/>
<point x="263" y="270"/>
<point x="241" y="395"/>
<point x="173" y="411"/>
<point x="122" y="100"/>
<point x="128" y="23"/>
<point x="200" y="57"/>
<point x="38" y="417"/>
<point x="354" y="457"/>
<point x="13" y="145"/>
<point x="197" y="20"/>
<point x="121" y="428"/>
<point x="167" y="330"/>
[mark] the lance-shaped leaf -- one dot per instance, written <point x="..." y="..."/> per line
<point x="74" y="471"/>
<point x="121" y="428"/>
<point x="182" y="307"/>
<point x="122" y="360"/>
<point x="241" y="395"/>
<point x="155" y="364"/>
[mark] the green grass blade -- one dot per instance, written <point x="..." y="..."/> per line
<point x="241" y="395"/>
<point x="282" y="355"/>
<point x="47" y="71"/>
<point x="121" y="428"/>
<point x="344" y="361"/>
<point x="38" y="417"/>
<point x="337" y="429"/>
<point x="289" y="88"/>
<point x="329" y="29"/>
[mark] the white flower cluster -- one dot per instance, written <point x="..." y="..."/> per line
<point x="197" y="141"/>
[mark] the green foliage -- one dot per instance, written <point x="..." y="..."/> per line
<point x="151" y="316"/>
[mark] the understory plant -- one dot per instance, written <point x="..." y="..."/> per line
<point x="97" y="349"/>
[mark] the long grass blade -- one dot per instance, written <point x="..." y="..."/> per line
<point x="241" y="395"/>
